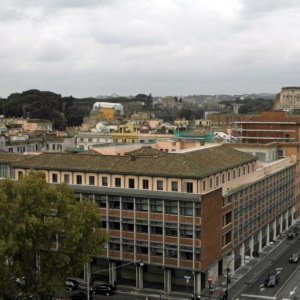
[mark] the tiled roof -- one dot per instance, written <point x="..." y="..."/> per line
<point x="8" y="158"/>
<point x="145" y="151"/>
<point x="196" y="164"/>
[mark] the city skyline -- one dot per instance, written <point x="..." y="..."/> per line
<point x="88" y="48"/>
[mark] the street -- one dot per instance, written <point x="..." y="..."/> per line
<point x="289" y="277"/>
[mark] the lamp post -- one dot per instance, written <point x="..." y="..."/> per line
<point x="187" y="279"/>
<point x="227" y="278"/>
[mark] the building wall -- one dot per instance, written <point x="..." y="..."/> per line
<point x="211" y="228"/>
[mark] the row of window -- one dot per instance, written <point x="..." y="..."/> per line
<point x="160" y="185"/>
<point x="173" y="207"/>
<point x="171" y="251"/>
<point x="141" y="226"/>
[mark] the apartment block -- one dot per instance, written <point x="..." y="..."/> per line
<point x="170" y="215"/>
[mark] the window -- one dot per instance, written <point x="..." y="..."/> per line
<point x="117" y="182"/>
<point x="174" y="186"/>
<point x="141" y="247"/>
<point x="228" y="176"/>
<point x="186" y="208"/>
<point x="145" y="184"/>
<point x="114" y="223"/>
<point x="142" y="226"/>
<point x="189" y="187"/>
<point x="186" y="253"/>
<point x="100" y="200"/>
<point x="171" y="229"/>
<point x="128" y="224"/>
<point x="67" y="178"/>
<point x="131" y="183"/>
<point x="159" y="185"/>
<point x="223" y="178"/>
<point x="54" y="178"/>
<point x="141" y="204"/>
<point x="114" y="244"/>
<point x="156" y="205"/>
<point x="186" y="230"/>
<point x="203" y="185"/>
<point x="127" y="203"/>
<point x="114" y="202"/>
<point x="156" y="228"/>
<point x="171" y="207"/>
<point x="104" y="181"/>
<point x="128" y="246"/>
<point x="91" y="180"/>
<point x="78" y="179"/>
<point x="170" y="251"/>
<point x="156" y="249"/>
<point x="210" y="183"/>
<point x="228" y="218"/>
<point x="227" y="238"/>
<point x="217" y="180"/>
<point x="53" y="146"/>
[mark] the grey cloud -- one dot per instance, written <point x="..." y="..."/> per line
<point x="62" y="3"/>
<point x="252" y="8"/>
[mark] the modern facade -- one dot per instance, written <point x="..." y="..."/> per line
<point x="171" y="215"/>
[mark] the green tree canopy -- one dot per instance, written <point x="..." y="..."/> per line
<point x="46" y="235"/>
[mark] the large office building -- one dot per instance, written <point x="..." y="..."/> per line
<point x="171" y="216"/>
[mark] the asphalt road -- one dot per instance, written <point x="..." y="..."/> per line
<point x="288" y="276"/>
<point x="291" y="287"/>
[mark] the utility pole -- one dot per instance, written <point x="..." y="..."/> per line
<point x="87" y="274"/>
<point x="226" y="296"/>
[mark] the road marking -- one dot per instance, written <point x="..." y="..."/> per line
<point x="287" y="280"/>
<point x="293" y="291"/>
<point x="278" y="270"/>
<point x="258" y="296"/>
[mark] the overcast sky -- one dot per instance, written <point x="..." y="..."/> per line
<point x="164" y="47"/>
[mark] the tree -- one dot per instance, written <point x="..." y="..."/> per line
<point x="46" y="235"/>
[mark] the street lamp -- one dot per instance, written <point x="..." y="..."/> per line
<point x="187" y="279"/>
<point x="227" y="278"/>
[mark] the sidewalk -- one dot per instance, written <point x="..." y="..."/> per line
<point x="239" y="280"/>
<point x="248" y="272"/>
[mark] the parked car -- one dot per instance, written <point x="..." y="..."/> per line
<point x="295" y="257"/>
<point x="71" y="284"/>
<point x="272" y="280"/>
<point x="80" y="295"/>
<point x="291" y="235"/>
<point x="113" y="287"/>
<point x="103" y="289"/>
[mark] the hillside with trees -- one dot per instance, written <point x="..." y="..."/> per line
<point x="62" y="111"/>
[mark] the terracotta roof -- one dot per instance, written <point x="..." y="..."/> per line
<point x="7" y="157"/>
<point x="145" y="151"/>
<point x="196" y="164"/>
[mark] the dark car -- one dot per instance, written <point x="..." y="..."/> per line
<point x="80" y="295"/>
<point x="272" y="280"/>
<point x="103" y="289"/>
<point x="291" y="235"/>
<point x="71" y="284"/>
<point x="295" y="257"/>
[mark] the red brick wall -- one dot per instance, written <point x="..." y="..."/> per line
<point x="211" y="228"/>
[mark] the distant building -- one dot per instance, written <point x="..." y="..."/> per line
<point x="172" y="103"/>
<point x="100" y="105"/>
<point x="288" y="99"/>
